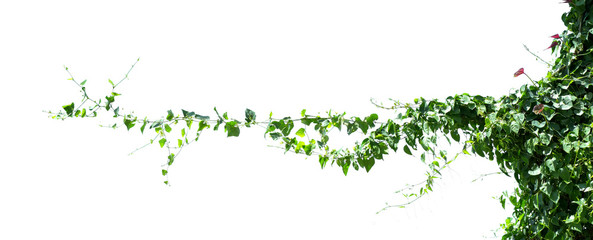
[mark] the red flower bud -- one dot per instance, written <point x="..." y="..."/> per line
<point x="519" y="72"/>
<point x="554" y="43"/>
<point x="556" y="36"/>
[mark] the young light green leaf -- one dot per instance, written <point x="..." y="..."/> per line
<point x="143" y="125"/>
<point x="162" y="142"/>
<point x="171" y="158"/>
<point x="169" y="115"/>
<point x="301" y="132"/>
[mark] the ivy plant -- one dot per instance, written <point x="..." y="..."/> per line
<point x="540" y="134"/>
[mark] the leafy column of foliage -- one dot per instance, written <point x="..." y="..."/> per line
<point x="540" y="134"/>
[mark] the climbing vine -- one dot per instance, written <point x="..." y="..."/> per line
<point x="540" y="134"/>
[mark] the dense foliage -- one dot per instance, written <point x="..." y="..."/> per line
<point x="541" y="134"/>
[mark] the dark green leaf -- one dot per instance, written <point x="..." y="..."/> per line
<point x="232" y="129"/>
<point x="249" y="116"/>
<point x="156" y="124"/>
<point x="110" y="99"/>
<point x="407" y="150"/>
<point x="69" y="109"/>
<point x="455" y="135"/>
<point x="187" y="114"/>
<point x="275" y="135"/>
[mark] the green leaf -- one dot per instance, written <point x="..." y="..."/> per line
<point x="565" y="102"/>
<point x="203" y="124"/>
<point x="187" y="113"/>
<point x="69" y="109"/>
<point x="536" y="171"/>
<point x="171" y="158"/>
<point x="301" y="132"/>
<point x="164" y="172"/>
<point x="83" y="82"/>
<point x="162" y="142"/>
<point x="232" y="129"/>
<point x="407" y="150"/>
<point x="345" y="169"/>
<point x="183" y="132"/>
<point x="275" y="135"/>
<point x="370" y="120"/>
<point x="455" y="135"/>
<point x="169" y="115"/>
<point x="299" y="146"/>
<point x="555" y="196"/>
<point x="538" y="124"/>
<point x="465" y="152"/>
<point x="129" y="123"/>
<point x="519" y="117"/>
<point x="323" y="161"/>
<point x="303" y="112"/>
<point x="110" y="99"/>
<point x="167" y="128"/>
<point x="110" y="82"/>
<point x="179" y="142"/>
<point x="143" y="125"/>
<point x="249" y="116"/>
<point x="515" y="127"/>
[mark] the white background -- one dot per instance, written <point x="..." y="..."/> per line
<point x="74" y="180"/>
